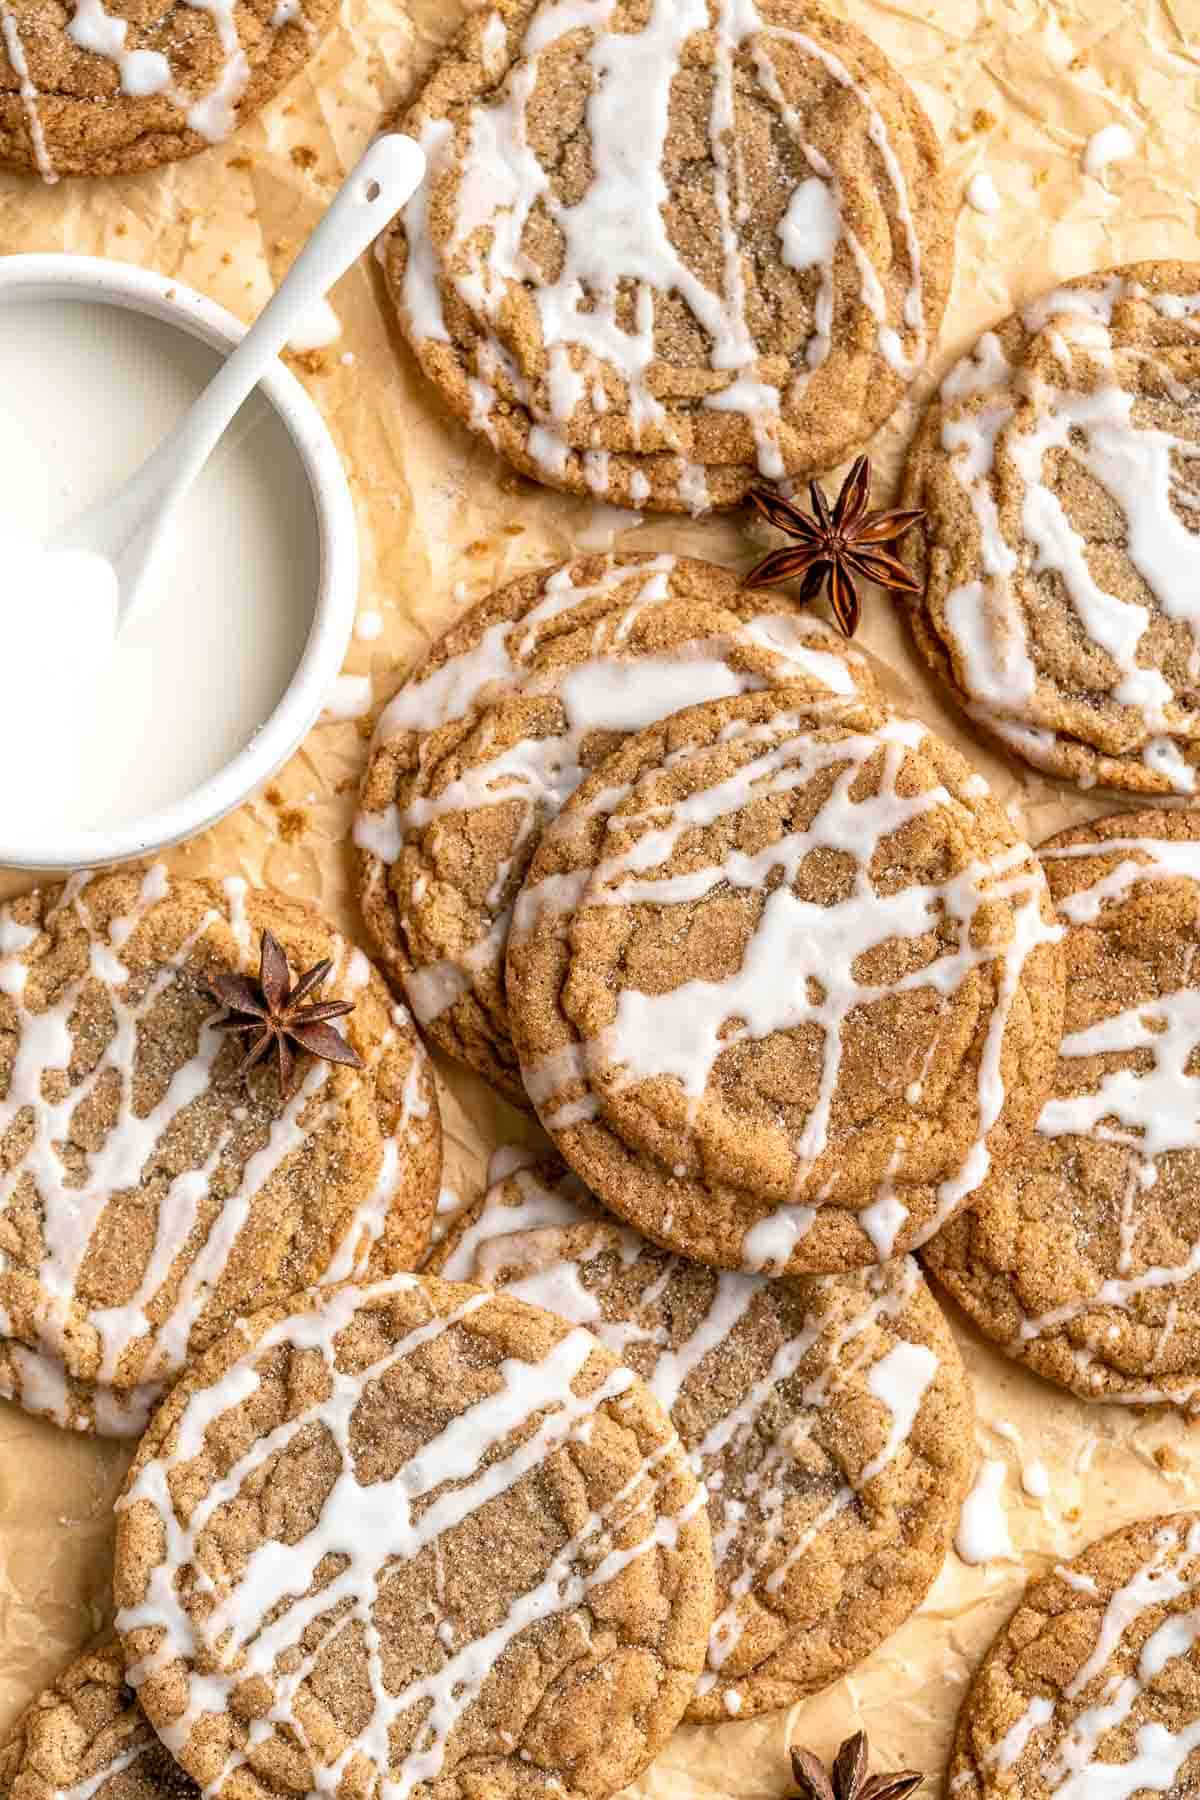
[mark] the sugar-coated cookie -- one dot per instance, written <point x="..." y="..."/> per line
<point x="1082" y="1257"/>
<point x="785" y="983"/>
<point x="1092" y="1690"/>
<point x="412" y="1538"/>
<point x="149" y="1193"/>
<point x="1058" y="468"/>
<point x="96" y="88"/>
<point x="479" y="749"/>
<point x="828" y="1416"/>
<point x="670" y="247"/>
<point x="86" y="1735"/>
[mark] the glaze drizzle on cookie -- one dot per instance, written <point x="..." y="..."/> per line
<point x="62" y="1083"/>
<point x="602" y="301"/>
<point x="797" y="1398"/>
<point x="299" y="1600"/>
<point x="1067" y="616"/>
<point x="802" y="970"/>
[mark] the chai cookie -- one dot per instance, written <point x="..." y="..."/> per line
<point x="86" y="1735"/>
<point x="95" y="89"/>
<point x="828" y="1416"/>
<point x="1082" y="1256"/>
<point x="743" y="285"/>
<point x="479" y="749"/>
<point x="784" y="983"/>
<point x="1060" y="471"/>
<point x="149" y="1194"/>
<point x="412" y="1536"/>
<point x="1092" y="1690"/>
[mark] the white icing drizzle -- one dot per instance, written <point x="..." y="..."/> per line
<point x="612" y="691"/>
<point x="513" y="1243"/>
<point x="71" y="1209"/>
<point x="683" y="1032"/>
<point x="15" y="51"/>
<point x="1112" y="143"/>
<point x="1066" y="1736"/>
<point x="1152" y="1110"/>
<point x="617" y="233"/>
<point x="1026" y="418"/>
<point x="235" y="888"/>
<point x="143" y="73"/>
<point x="981" y="194"/>
<point x="278" y="1610"/>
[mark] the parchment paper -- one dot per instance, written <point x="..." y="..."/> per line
<point x="1015" y="87"/>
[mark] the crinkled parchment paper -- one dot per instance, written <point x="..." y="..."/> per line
<point x="1015" y="87"/>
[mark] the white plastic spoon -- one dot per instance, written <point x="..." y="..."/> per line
<point x="128" y="529"/>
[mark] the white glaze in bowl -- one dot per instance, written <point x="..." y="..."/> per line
<point x="29" y="279"/>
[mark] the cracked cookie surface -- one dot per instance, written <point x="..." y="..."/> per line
<point x="149" y="1194"/>
<point x="828" y="1416"/>
<point x="743" y="287"/>
<point x="449" y="1543"/>
<point x="488" y="737"/>
<point x="93" y="89"/>
<point x="86" y="1734"/>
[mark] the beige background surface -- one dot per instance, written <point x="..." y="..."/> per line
<point x="1015" y="87"/>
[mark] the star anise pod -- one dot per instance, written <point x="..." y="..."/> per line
<point x="849" y="1779"/>
<point x="831" y="548"/>
<point x="271" y="1012"/>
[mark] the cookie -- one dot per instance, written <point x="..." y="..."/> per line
<point x="1082" y="1257"/>
<point x="87" y="1736"/>
<point x="95" y="89"/>
<point x="150" y="1194"/>
<point x="743" y="285"/>
<point x="1059" y="468"/>
<point x="784" y="982"/>
<point x="1092" y="1690"/>
<point x="39" y="1384"/>
<point x="412" y="1537"/>
<point x="512" y="707"/>
<point x="828" y="1416"/>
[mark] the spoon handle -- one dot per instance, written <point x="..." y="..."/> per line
<point x="129" y="527"/>
<point x="370" y="197"/>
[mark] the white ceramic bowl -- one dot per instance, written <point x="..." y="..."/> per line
<point x="33" y="278"/>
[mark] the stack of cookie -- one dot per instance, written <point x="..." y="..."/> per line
<point x="783" y="986"/>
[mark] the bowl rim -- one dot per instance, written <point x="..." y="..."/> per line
<point x="62" y="276"/>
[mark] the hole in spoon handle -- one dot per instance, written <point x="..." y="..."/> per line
<point x="389" y="173"/>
